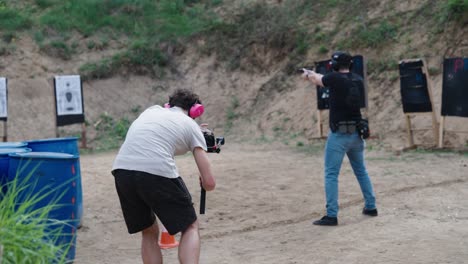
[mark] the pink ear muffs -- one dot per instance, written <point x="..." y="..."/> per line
<point x="195" y="111"/>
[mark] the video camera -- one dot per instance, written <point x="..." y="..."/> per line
<point x="213" y="143"/>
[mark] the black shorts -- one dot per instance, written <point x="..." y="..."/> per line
<point x="143" y="194"/>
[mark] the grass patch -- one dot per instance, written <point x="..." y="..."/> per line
<point x="433" y="71"/>
<point x="6" y="49"/>
<point x="165" y="19"/>
<point x="314" y="148"/>
<point x="450" y="11"/>
<point x="263" y="139"/>
<point x="456" y="9"/>
<point x="257" y="28"/>
<point x="26" y="232"/>
<point x="382" y="65"/>
<point x="97" y="70"/>
<point x="13" y="19"/>
<point x="147" y="31"/>
<point x="372" y="36"/>
<point x="58" y="49"/>
<point x="323" y="50"/>
<point x="110" y="132"/>
<point x="141" y="58"/>
<point x="231" y="114"/>
<point x="435" y="151"/>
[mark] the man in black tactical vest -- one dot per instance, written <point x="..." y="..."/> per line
<point x="343" y="138"/>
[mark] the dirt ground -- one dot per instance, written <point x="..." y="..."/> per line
<point x="267" y="197"/>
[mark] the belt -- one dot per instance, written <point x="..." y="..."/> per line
<point x="344" y="127"/>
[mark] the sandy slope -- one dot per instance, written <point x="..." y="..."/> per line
<point x="269" y="102"/>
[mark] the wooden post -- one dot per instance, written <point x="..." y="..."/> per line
<point x="319" y="125"/>
<point x="83" y="135"/>
<point x="441" y="131"/>
<point x="364" y="78"/>
<point x="5" y="132"/>
<point x="409" y="131"/>
<point x="435" y="128"/>
<point x="51" y="81"/>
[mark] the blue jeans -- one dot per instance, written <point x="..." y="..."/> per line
<point x="339" y="144"/>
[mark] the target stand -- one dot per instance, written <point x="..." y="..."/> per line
<point x="416" y="96"/>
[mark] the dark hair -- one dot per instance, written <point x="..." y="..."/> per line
<point x="183" y="98"/>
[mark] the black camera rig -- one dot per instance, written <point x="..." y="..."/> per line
<point x="213" y="145"/>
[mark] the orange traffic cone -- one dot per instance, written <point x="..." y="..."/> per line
<point x="167" y="240"/>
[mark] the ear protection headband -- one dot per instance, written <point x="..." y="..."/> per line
<point x="334" y="65"/>
<point x="339" y="59"/>
<point x="195" y="111"/>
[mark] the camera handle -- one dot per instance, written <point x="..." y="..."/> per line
<point x="216" y="148"/>
<point x="202" y="200"/>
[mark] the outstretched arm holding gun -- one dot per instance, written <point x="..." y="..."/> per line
<point x="315" y="78"/>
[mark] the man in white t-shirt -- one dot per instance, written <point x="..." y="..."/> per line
<point x="147" y="179"/>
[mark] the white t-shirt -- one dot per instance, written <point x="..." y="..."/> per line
<point x="155" y="137"/>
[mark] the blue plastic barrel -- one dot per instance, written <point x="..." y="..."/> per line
<point x="63" y="145"/>
<point x="53" y="175"/>
<point x="4" y="164"/>
<point x="19" y="144"/>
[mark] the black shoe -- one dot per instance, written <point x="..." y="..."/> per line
<point x="327" y="221"/>
<point x="370" y="212"/>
